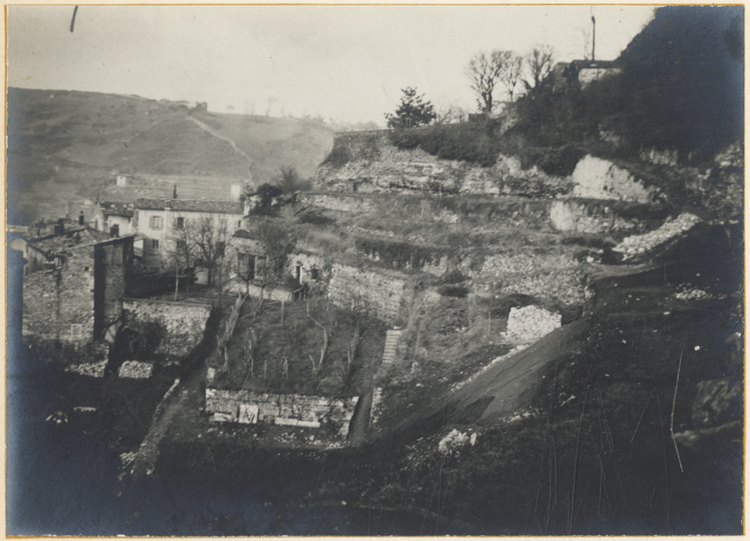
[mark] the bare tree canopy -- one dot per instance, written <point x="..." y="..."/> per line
<point x="539" y="65"/>
<point x="486" y="70"/>
<point x="511" y="73"/>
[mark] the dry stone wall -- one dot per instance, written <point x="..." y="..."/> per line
<point x="181" y="324"/>
<point x="381" y="294"/>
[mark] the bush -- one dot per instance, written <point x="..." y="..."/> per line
<point x="338" y="157"/>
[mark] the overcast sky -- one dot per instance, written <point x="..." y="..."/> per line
<point x="346" y="63"/>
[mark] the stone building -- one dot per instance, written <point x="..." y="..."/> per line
<point x="74" y="293"/>
<point x="161" y="222"/>
<point x="113" y="218"/>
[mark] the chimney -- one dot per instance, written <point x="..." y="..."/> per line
<point x="235" y="192"/>
<point x="174" y="192"/>
<point x="80" y="218"/>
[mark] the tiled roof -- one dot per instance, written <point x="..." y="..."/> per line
<point x="191" y="205"/>
<point x="110" y="208"/>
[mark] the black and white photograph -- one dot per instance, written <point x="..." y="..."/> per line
<point x="374" y="270"/>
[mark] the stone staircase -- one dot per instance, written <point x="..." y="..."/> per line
<point x="391" y="341"/>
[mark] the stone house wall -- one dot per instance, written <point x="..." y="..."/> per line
<point x="58" y="304"/>
<point x="79" y="301"/>
<point x="181" y="325"/>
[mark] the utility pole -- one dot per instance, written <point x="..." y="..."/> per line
<point x="593" y="41"/>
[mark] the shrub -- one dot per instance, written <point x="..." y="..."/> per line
<point x="456" y="291"/>
<point x="315" y="217"/>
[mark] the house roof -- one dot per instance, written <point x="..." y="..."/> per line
<point x="110" y="208"/>
<point x="191" y="205"/>
<point x="70" y="239"/>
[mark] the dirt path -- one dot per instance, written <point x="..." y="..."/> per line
<point x="177" y="399"/>
<point x="207" y="128"/>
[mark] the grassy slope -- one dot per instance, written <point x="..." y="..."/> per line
<point x="274" y="142"/>
<point x="64" y="146"/>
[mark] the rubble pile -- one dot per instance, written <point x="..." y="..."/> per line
<point x="135" y="370"/>
<point x="95" y="370"/>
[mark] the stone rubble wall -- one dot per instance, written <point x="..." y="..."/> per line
<point x="640" y="244"/>
<point x="287" y="409"/>
<point x="381" y="294"/>
<point x="183" y="324"/>
<point x="549" y="277"/>
<point x="531" y="323"/>
<point x="595" y="178"/>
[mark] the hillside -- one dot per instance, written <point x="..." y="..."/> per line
<point x="66" y="147"/>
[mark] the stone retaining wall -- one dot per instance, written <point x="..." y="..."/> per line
<point x="180" y="324"/>
<point x="380" y="294"/>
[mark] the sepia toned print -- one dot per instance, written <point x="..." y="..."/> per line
<point x="375" y="270"/>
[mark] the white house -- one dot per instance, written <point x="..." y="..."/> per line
<point x="161" y="221"/>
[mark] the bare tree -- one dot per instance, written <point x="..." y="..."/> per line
<point x="484" y="72"/>
<point x="451" y="114"/>
<point x="211" y="238"/>
<point x="181" y="252"/>
<point x="511" y="73"/>
<point x="539" y="65"/>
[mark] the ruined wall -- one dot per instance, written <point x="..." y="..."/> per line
<point x="369" y="162"/>
<point x="380" y="293"/>
<point x="178" y="325"/>
<point x="405" y="256"/>
<point x="506" y="210"/>
<point x="59" y="304"/>
<point x="595" y="178"/>
<point x="286" y="409"/>
<point x="597" y="216"/>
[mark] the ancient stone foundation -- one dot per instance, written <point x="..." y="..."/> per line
<point x="309" y="411"/>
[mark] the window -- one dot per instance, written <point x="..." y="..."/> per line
<point x="76" y="331"/>
<point x="313" y="273"/>
<point x="179" y="223"/>
<point x="220" y="248"/>
<point x="155" y="222"/>
<point x="181" y="244"/>
<point x="154" y="245"/>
